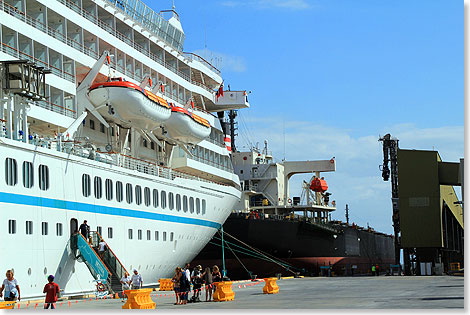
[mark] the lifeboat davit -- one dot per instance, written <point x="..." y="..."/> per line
<point x="318" y="185"/>
<point x="131" y="102"/>
<point x="186" y="126"/>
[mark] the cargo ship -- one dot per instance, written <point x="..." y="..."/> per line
<point x="269" y="232"/>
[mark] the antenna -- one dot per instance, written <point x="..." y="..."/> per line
<point x="347" y="214"/>
<point x="173" y="5"/>
<point x="205" y="36"/>
<point x="284" y="136"/>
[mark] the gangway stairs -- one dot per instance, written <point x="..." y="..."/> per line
<point x="107" y="268"/>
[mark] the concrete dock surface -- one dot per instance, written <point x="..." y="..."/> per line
<point x="392" y="292"/>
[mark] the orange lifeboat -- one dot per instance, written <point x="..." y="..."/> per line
<point x="318" y="185"/>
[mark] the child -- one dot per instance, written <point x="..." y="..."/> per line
<point x="51" y="289"/>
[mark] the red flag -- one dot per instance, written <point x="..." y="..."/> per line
<point x="192" y="103"/>
<point x="220" y="91"/>
<point x="150" y="82"/>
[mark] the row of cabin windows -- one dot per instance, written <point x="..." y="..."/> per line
<point x="11" y="174"/>
<point x="148" y="197"/>
<point x="130" y="234"/>
<point x="59" y="231"/>
<point x="29" y="228"/>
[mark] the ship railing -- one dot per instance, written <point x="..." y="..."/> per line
<point x="202" y="60"/>
<point x="131" y="43"/>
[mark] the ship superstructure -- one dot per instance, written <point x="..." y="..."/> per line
<point x="122" y="133"/>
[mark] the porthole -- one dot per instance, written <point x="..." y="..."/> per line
<point x="29" y="271"/>
<point x="45" y="270"/>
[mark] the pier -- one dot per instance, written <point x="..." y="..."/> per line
<point x="384" y="292"/>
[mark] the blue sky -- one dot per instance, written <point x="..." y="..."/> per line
<point x="333" y="75"/>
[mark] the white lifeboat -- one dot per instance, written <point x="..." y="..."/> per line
<point x="186" y="126"/>
<point x="131" y="102"/>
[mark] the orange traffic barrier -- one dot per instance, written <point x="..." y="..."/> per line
<point x="223" y="291"/>
<point x="270" y="286"/>
<point x="8" y="305"/>
<point x="166" y="284"/>
<point x="454" y="266"/>
<point x="139" y="299"/>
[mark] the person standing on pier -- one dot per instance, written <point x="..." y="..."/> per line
<point x="207" y="276"/>
<point x="11" y="287"/>
<point x="51" y="289"/>
<point x="125" y="283"/>
<point x="136" y="280"/>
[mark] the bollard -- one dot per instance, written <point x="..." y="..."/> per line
<point x="139" y="299"/>
<point x="8" y="305"/>
<point x="165" y="284"/>
<point x="270" y="286"/>
<point x="223" y="291"/>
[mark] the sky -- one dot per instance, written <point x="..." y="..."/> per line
<point x="327" y="77"/>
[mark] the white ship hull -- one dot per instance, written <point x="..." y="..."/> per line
<point x="35" y="256"/>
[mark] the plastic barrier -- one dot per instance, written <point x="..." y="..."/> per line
<point x="165" y="284"/>
<point x="139" y="299"/>
<point x="270" y="286"/>
<point x="8" y="305"/>
<point x="223" y="291"/>
<point x="454" y="266"/>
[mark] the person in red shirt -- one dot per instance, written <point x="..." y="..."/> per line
<point x="51" y="289"/>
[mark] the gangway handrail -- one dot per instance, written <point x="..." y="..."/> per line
<point x="121" y="265"/>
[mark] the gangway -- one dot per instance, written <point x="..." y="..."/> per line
<point x="108" y="269"/>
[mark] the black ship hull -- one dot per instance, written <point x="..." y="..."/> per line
<point x="297" y="246"/>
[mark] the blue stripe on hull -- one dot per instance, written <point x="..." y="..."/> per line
<point x="85" y="207"/>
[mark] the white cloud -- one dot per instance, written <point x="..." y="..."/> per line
<point x="223" y="61"/>
<point x="266" y="4"/>
<point x="357" y="180"/>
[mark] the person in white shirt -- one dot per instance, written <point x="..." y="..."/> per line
<point x="102" y="248"/>
<point x="125" y="283"/>
<point x="136" y="280"/>
<point x="11" y="287"/>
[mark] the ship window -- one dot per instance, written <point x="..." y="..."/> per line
<point x="178" y="202"/>
<point x="147" y="200"/>
<point x="112" y="131"/>
<point x="109" y="189"/>
<point x="152" y="145"/>
<point x="171" y="201"/>
<point x="185" y="203"/>
<point x="203" y="206"/>
<point x="110" y="232"/>
<point x="156" y="235"/>
<point x="102" y="127"/>
<point x="119" y="191"/>
<point x="129" y="233"/>
<point x="92" y="124"/>
<point x="45" y="228"/>
<point x="99" y="229"/>
<point x="139" y="234"/>
<point x="191" y="204"/>
<point x="98" y="188"/>
<point x="149" y="235"/>
<point x="58" y="229"/>
<point x="29" y="227"/>
<point x="164" y="236"/>
<point x="144" y="142"/>
<point x="155" y="198"/>
<point x="86" y="183"/>
<point x="129" y="193"/>
<point x="163" y="199"/>
<point x="171" y="237"/>
<point x="198" y="206"/>
<point x="28" y="174"/>
<point x="138" y="194"/>
<point x="11" y="172"/>
<point x="11" y="226"/>
<point x="43" y="177"/>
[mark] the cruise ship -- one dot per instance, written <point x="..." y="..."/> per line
<point x="106" y="118"/>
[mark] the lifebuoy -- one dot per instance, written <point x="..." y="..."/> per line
<point x="100" y="287"/>
<point x="289" y="200"/>
<point x="332" y="161"/>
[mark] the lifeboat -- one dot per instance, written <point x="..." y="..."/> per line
<point x="131" y="102"/>
<point x="318" y="185"/>
<point x="186" y="126"/>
